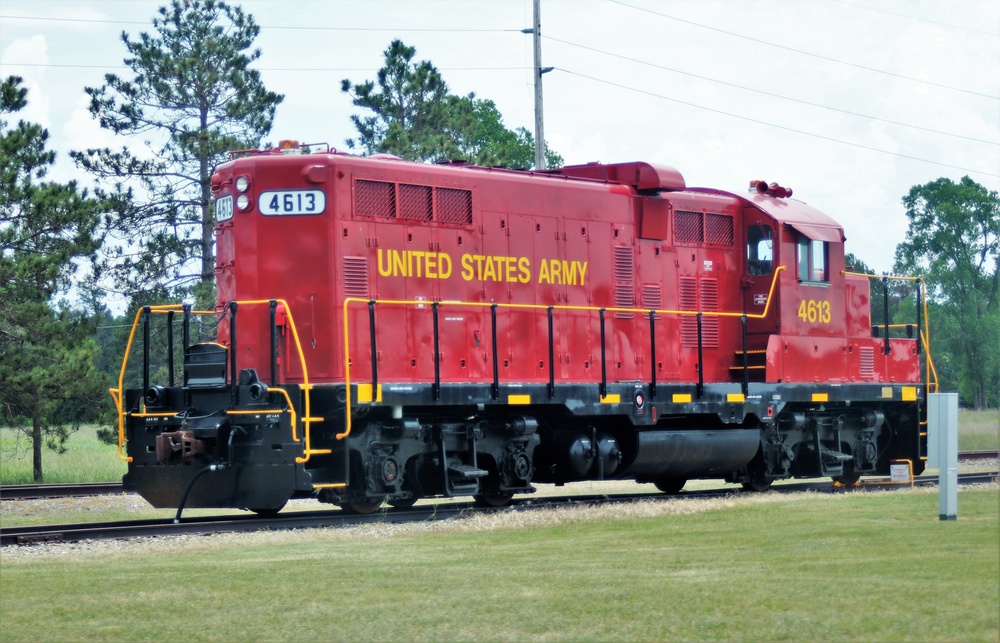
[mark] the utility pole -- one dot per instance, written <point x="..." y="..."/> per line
<point x="539" y="70"/>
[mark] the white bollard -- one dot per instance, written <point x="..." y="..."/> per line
<point x="942" y="425"/>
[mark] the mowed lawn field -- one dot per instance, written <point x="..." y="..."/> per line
<point x="871" y="566"/>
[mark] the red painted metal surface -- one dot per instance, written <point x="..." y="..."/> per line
<point x="623" y="236"/>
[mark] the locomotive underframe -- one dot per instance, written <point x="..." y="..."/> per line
<point x="219" y="447"/>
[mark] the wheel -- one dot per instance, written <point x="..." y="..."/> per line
<point x="493" y="500"/>
<point x="670" y="486"/>
<point x="269" y="512"/>
<point x="757" y="486"/>
<point x="847" y="480"/>
<point x="361" y="508"/>
<point x="404" y="503"/>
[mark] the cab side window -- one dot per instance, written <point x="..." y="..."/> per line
<point x="759" y="250"/>
<point x="813" y="259"/>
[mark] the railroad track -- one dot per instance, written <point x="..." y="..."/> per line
<point x="439" y="511"/>
<point x="36" y="491"/>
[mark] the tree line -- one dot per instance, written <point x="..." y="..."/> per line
<point x="144" y="230"/>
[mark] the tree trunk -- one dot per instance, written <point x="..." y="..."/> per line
<point x="36" y="450"/>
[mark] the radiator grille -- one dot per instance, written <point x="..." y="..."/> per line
<point x="689" y="228"/>
<point x="624" y="287"/>
<point x="415" y="202"/>
<point x="454" y="206"/>
<point x="375" y="199"/>
<point x="719" y="229"/>
<point x="867" y="358"/>
<point x="699" y="295"/>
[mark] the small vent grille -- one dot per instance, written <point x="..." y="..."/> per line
<point x="699" y="295"/>
<point x="356" y="277"/>
<point x="415" y="202"/>
<point x="719" y="229"/>
<point x="689" y="228"/>
<point x="454" y="206"/>
<point x="867" y="358"/>
<point x="624" y="287"/>
<point x="375" y="199"/>
<point x="652" y="298"/>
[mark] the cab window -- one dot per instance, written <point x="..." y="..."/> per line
<point x="813" y="259"/>
<point x="759" y="250"/>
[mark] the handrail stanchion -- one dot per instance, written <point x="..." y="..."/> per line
<point x="885" y="308"/>
<point x="746" y="361"/>
<point x="437" y="354"/>
<point x="374" y="347"/>
<point x="186" y="333"/>
<point x="170" y="347"/>
<point x="552" y="364"/>
<point x="234" y="379"/>
<point x="496" y="368"/>
<point x="273" y="318"/>
<point x="919" y="316"/>
<point x="145" y="348"/>
<point x="604" y="360"/>
<point x="701" y="362"/>
<point x="652" y="349"/>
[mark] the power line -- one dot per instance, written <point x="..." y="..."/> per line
<point x="766" y="93"/>
<point x="296" y="28"/>
<point x="909" y="17"/>
<point x="306" y="69"/>
<point x="806" y="53"/>
<point x="775" y="125"/>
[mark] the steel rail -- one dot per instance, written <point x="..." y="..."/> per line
<point x="435" y="512"/>
<point x="38" y="491"/>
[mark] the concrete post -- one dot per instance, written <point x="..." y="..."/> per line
<point x="942" y="426"/>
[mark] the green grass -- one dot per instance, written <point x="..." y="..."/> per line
<point x="861" y="566"/>
<point x="979" y="430"/>
<point x="87" y="459"/>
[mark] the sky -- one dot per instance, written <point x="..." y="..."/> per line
<point x="850" y="103"/>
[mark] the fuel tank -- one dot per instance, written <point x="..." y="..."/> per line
<point x="691" y="453"/>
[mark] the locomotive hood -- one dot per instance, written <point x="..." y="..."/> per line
<point x="792" y="213"/>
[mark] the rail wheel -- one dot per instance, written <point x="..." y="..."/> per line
<point x="269" y="512"/>
<point x="404" y="503"/>
<point x="493" y="499"/>
<point x="361" y="508"/>
<point x="758" y="486"/>
<point x="670" y="485"/>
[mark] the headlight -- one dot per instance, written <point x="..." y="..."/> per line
<point x="243" y="202"/>
<point x="242" y="184"/>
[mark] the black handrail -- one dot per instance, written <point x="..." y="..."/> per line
<point x="604" y="360"/>
<point x="437" y="354"/>
<point x="652" y="349"/>
<point x="233" y="373"/>
<point x="496" y="368"/>
<point x="701" y="362"/>
<point x="371" y="334"/>
<point x="273" y="310"/>
<point x="170" y="347"/>
<point x="552" y="366"/>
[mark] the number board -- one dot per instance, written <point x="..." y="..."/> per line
<point x="291" y="202"/>
<point x="224" y="208"/>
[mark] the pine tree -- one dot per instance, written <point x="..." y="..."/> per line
<point x="47" y="377"/>
<point x="192" y="97"/>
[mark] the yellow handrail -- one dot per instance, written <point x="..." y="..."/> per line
<point x="483" y="304"/>
<point x="925" y="333"/>
<point x="117" y="394"/>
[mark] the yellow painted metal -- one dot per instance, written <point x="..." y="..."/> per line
<point x="735" y="397"/>
<point x="614" y="398"/>
<point x="909" y="393"/>
<point x="681" y="398"/>
<point x="518" y="399"/>
<point x="820" y="397"/>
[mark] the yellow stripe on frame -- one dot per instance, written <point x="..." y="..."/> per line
<point x="681" y="398"/>
<point x="887" y="392"/>
<point x="909" y="393"/>
<point x="614" y="398"/>
<point x="735" y="397"/>
<point x="365" y="393"/>
<point x="821" y="397"/>
<point x="518" y="399"/>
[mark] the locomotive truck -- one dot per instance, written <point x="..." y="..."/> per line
<point x="390" y="331"/>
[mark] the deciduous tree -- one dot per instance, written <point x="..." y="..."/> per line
<point x="953" y="241"/>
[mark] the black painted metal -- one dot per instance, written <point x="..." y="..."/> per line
<point x="495" y="390"/>
<point x="234" y="379"/>
<point x="604" y="359"/>
<point x="652" y="349"/>
<point x="145" y="348"/>
<point x="746" y="365"/>
<point x="701" y="362"/>
<point x="437" y="353"/>
<point x="885" y="307"/>
<point x="919" y="315"/>
<point x="187" y="327"/>
<point x="170" y="346"/>
<point x="552" y="365"/>
<point x="374" y="346"/>
<point x="273" y="311"/>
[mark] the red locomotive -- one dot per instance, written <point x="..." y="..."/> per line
<point x="391" y="331"/>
